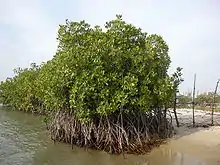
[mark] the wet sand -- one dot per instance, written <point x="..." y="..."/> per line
<point x="191" y="145"/>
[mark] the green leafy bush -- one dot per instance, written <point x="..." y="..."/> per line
<point x="106" y="88"/>
<point x="97" y="72"/>
<point x="107" y="70"/>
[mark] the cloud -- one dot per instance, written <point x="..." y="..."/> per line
<point x="191" y="29"/>
<point x="27" y="35"/>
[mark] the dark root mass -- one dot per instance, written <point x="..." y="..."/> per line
<point x="115" y="134"/>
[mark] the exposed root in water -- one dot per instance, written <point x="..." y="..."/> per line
<point x="118" y="133"/>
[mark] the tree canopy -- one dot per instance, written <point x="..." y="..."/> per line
<point x="104" y="88"/>
<point x="97" y="72"/>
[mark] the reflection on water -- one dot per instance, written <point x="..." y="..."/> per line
<point x="24" y="141"/>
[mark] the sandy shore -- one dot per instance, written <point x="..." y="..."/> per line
<point x="191" y="145"/>
<point x="202" y="121"/>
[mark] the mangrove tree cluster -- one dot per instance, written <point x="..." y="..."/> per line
<point x="104" y="88"/>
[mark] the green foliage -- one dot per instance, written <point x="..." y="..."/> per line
<point x="184" y="99"/>
<point x="98" y="72"/>
<point x="177" y="78"/>
<point x="202" y="99"/>
<point x="207" y="98"/>
<point x="20" y="91"/>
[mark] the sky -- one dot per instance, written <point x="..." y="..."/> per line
<point x="28" y="31"/>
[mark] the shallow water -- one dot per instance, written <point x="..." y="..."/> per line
<point x="24" y="141"/>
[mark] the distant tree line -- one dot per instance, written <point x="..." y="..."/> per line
<point x="203" y="99"/>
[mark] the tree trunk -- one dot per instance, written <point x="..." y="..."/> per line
<point x="174" y="110"/>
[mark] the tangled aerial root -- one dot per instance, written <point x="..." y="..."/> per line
<point x="127" y="133"/>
